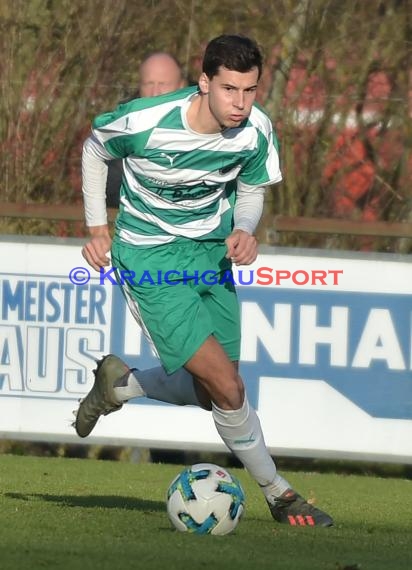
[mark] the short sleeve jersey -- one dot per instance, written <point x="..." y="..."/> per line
<point x="175" y="180"/>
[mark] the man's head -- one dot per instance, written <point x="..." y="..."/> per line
<point x="160" y="73"/>
<point x="236" y="53"/>
<point x="232" y="66"/>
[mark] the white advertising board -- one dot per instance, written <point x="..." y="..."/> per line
<point x="326" y="352"/>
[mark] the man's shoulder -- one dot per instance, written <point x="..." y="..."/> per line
<point x="150" y="108"/>
<point x="140" y="104"/>
<point x="259" y="117"/>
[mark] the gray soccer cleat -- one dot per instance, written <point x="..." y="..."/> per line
<point x="101" y="399"/>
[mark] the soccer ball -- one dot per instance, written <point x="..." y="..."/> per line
<point x="205" y="499"/>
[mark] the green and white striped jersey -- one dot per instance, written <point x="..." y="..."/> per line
<point x="176" y="181"/>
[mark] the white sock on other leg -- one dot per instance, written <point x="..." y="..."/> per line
<point x="242" y="433"/>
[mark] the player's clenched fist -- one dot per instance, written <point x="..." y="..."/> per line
<point x="95" y="251"/>
<point x="242" y="248"/>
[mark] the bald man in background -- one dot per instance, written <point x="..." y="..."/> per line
<point x="159" y="73"/>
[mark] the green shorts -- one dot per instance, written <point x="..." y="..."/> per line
<point x="180" y="294"/>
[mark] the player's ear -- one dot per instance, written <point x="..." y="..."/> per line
<point x="204" y="83"/>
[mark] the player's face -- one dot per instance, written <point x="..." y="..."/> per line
<point x="231" y="95"/>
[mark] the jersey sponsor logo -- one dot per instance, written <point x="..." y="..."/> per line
<point x="179" y="194"/>
<point x="157" y="182"/>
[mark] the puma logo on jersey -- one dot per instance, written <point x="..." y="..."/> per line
<point x="170" y="157"/>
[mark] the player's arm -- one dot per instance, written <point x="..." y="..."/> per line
<point x="94" y="176"/>
<point x="259" y="172"/>
<point x="242" y="244"/>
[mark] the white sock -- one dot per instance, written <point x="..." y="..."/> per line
<point x="176" y="388"/>
<point x="242" y="433"/>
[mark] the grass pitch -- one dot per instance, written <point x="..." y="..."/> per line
<point x="87" y="514"/>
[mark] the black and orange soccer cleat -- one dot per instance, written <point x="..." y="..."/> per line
<point x="290" y="508"/>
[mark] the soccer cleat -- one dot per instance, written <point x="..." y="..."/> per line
<point x="290" y="508"/>
<point x="101" y="399"/>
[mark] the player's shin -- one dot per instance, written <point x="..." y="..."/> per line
<point x="155" y="383"/>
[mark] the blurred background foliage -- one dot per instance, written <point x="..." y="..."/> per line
<point x="337" y="84"/>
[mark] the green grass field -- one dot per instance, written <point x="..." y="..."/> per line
<point x="88" y="514"/>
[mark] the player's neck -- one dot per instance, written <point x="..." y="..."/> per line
<point x="199" y="117"/>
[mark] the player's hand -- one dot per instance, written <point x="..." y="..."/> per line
<point x="95" y="251"/>
<point x="242" y="248"/>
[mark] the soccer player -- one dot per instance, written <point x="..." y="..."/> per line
<point x="180" y="153"/>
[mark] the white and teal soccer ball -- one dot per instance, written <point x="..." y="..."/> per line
<point x="205" y="499"/>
